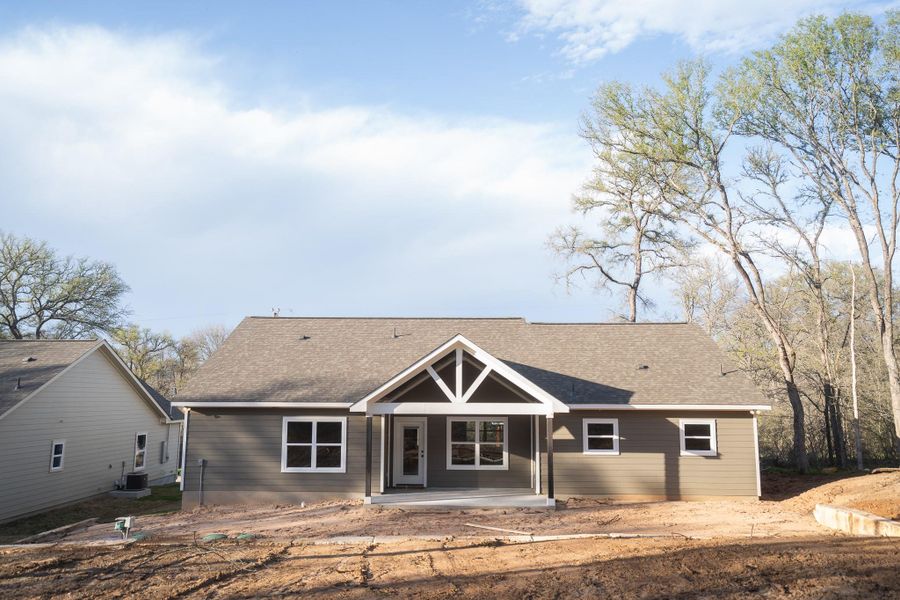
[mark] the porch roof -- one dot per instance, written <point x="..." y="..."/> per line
<point x="340" y="361"/>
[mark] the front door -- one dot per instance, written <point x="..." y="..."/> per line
<point x="409" y="451"/>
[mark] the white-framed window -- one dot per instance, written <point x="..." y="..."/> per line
<point x="477" y="443"/>
<point x="314" y="444"/>
<point x="698" y="437"/>
<point x="140" y="450"/>
<point x="600" y="436"/>
<point x="57" y="454"/>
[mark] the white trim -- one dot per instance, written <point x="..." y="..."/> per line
<point x="585" y="437"/>
<point x="457" y="408"/>
<point x="756" y="451"/>
<point x="143" y="451"/>
<point x="263" y="404"/>
<point x="62" y="455"/>
<point x="537" y="454"/>
<point x="313" y="444"/>
<point x="477" y="444"/>
<point x="713" y="451"/>
<point x="551" y="403"/>
<point x="459" y="374"/>
<point x="381" y="452"/>
<point x="422" y="476"/>
<point x="184" y="437"/>
<point x="478" y="381"/>
<point x="441" y="384"/>
<point x="729" y="407"/>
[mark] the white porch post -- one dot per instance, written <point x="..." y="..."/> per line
<point x="536" y="437"/>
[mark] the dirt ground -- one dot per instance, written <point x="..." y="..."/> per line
<point x="771" y="548"/>
<point x="816" y="567"/>
<point x="785" y="511"/>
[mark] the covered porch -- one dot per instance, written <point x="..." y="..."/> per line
<point x="460" y="428"/>
<point x="461" y="498"/>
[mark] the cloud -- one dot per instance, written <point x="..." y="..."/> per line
<point x="590" y="29"/>
<point x="138" y="150"/>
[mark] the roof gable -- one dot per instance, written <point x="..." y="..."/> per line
<point x="29" y="366"/>
<point x="457" y="345"/>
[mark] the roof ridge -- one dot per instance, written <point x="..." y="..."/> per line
<point x="49" y="340"/>
<point x="627" y="323"/>
<point x="392" y="318"/>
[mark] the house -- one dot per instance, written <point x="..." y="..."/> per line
<point x="73" y="421"/>
<point x="299" y="409"/>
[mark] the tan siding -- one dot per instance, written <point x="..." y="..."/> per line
<point x="649" y="463"/>
<point x="97" y="412"/>
<point x="242" y="448"/>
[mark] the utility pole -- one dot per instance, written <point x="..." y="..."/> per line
<point x="859" y="456"/>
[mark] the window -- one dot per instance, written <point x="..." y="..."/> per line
<point x="314" y="444"/>
<point x="476" y="443"/>
<point x="57" y="454"/>
<point x="601" y="436"/>
<point x="140" y="451"/>
<point x="698" y="437"/>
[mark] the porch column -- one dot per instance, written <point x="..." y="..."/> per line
<point x="368" y="498"/>
<point x="551" y="499"/>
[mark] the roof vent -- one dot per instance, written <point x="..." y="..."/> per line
<point x="29" y="359"/>
<point x="304" y="337"/>
<point x="18" y="383"/>
<point x="643" y="367"/>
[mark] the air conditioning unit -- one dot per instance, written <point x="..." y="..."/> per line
<point x="136" y="481"/>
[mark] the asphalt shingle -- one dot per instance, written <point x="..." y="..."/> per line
<point x="343" y="359"/>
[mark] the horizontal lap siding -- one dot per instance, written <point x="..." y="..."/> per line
<point x="242" y="448"/>
<point x="649" y="462"/>
<point x="519" y="446"/>
<point x="97" y="411"/>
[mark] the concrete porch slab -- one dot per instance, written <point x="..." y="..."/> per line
<point x="462" y="498"/>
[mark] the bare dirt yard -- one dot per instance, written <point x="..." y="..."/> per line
<point x="771" y="548"/>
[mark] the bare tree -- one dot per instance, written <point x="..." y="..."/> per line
<point x="827" y="95"/>
<point x="708" y="293"/>
<point x="685" y="131"/>
<point x="638" y="237"/>
<point x="45" y="295"/>
<point x="208" y="339"/>
<point x="801" y="218"/>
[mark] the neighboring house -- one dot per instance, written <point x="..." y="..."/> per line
<point x="73" y="420"/>
<point x="294" y="409"/>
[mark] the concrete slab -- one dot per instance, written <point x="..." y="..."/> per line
<point x="855" y="522"/>
<point x="462" y="498"/>
<point x="130" y="493"/>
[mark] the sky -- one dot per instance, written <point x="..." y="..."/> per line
<point x="332" y="158"/>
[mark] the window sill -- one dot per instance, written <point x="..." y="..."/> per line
<point x="602" y="452"/>
<point x="477" y="468"/>
<point x="310" y="470"/>
<point x="699" y="453"/>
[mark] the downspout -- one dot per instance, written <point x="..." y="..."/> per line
<point x="184" y="437"/>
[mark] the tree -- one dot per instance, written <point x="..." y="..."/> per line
<point x="708" y="293"/>
<point x="142" y="349"/>
<point x="828" y="96"/>
<point x="638" y="237"/>
<point x="46" y="295"/>
<point x="208" y="339"/>
<point x="683" y="131"/>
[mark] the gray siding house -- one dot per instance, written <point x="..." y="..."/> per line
<point x="73" y="419"/>
<point x="299" y="409"/>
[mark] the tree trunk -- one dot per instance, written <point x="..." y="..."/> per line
<point x="826" y="412"/>
<point x="801" y="460"/>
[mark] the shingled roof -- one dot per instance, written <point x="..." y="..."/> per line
<point x="27" y="365"/>
<point x="269" y="359"/>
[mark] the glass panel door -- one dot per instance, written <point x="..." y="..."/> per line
<point x="411" y="450"/>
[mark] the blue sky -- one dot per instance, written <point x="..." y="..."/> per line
<point x="364" y="158"/>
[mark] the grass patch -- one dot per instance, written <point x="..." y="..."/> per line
<point x="164" y="499"/>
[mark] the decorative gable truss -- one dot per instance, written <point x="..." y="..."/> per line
<point x="456" y="350"/>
